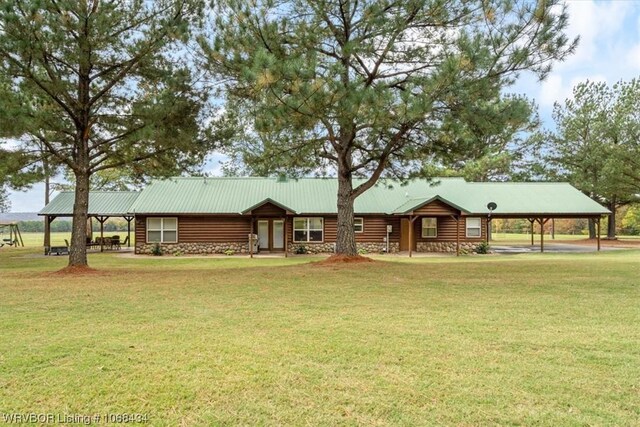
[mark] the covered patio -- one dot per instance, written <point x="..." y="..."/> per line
<point x="102" y="206"/>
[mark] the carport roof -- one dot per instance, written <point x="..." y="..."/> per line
<point x="101" y="203"/>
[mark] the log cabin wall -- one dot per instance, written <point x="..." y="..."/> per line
<point x="447" y="230"/>
<point x="375" y="228"/>
<point x="202" y="229"/>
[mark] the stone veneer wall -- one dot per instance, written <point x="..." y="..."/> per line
<point x="329" y="247"/>
<point x="445" y="246"/>
<point x="194" y="248"/>
<point x="312" y="248"/>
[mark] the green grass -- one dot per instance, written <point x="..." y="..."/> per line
<point x="538" y="339"/>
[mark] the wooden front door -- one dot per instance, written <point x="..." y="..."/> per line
<point x="405" y="227"/>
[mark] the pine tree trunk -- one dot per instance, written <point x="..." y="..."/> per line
<point x="47" y="191"/>
<point x="611" y="226"/>
<point x="78" y="250"/>
<point x="346" y="238"/>
<point x="592" y="229"/>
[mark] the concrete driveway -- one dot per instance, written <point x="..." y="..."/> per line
<point x="548" y="247"/>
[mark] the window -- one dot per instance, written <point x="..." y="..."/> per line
<point x="162" y="230"/>
<point x="308" y="229"/>
<point x="358" y="224"/>
<point x="430" y="227"/>
<point x="474" y="227"/>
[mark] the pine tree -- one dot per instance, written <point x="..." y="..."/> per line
<point x="371" y="88"/>
<point x="100" y="86"/>
<point x="595" y="145"/>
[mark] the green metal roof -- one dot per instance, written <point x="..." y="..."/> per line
<point x="101" y="203"/>
<point x="318" y="196"/>
<point x="414" y="204"/>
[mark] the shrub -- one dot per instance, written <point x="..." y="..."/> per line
<point x="157" y="250"/>
<point x="482" y="248"/>
<point x="363" y="251"/>
<point x="177" y="253"/>
<point x="301" y="250"/>
<point x="229" y="252"/>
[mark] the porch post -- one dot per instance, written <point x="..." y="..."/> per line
<point x="284" y="235"/>
<point x="411" y="220"/>
<point x="598" y="236"/>
<point x="128" y="218"/>
<point x="251" y="239"/>
<point x="457" y="235"/>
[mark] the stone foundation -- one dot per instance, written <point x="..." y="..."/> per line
<point x="327" y="248"/>
<point x="445" y="246"/>
<point x="311" y="248"/>
<point x="194" y="248"/>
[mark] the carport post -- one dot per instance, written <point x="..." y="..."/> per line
<point x="129" y="219"/>
<point x="542" y="222"/>
<point x="101" y="220"/>
<point x="47" y="233"/>
<point x="598" y="237"/>
<point x="531" y="220"/>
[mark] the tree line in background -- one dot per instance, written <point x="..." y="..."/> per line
<point x="112" y="224"/>
<point x="627" y="224"/>
<point x="118" y="92"/>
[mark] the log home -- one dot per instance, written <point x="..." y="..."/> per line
<point x="256" y="215"/>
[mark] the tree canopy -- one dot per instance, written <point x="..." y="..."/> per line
<point x="596" y="143"/>
<point x="374" y="88"/>
<point x="101" y="85"/>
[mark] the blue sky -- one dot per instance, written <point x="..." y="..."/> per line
<point x="609" y="50"/>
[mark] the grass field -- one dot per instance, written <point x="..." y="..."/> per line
<point x="534" y="339"/>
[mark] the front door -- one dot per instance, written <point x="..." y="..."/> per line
<point x="405" y="225"/>
<point x="405" y="229"/>
<point x="263" y="235"/>
<point x="278" y="234"/>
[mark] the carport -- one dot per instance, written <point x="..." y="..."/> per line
<point x="542" y="220"/>
<point x="539" y="203"/>
<point x="102" y="206"/>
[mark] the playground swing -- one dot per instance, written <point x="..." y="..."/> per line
<point x="15" y="238"/>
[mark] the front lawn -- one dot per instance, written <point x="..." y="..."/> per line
<point x="528" y="339"/>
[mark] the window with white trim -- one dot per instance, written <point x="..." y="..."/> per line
<point x="308" y="229"/>
<point x="474" y="227"/>
<point x="162" y="230"/>
<point x="430" y="227"/>
<point x="358" y="224"/>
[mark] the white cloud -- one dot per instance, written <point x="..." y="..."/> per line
<point x="633" y="57"/>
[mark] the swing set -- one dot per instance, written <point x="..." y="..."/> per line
<point x="14" y="239"/>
